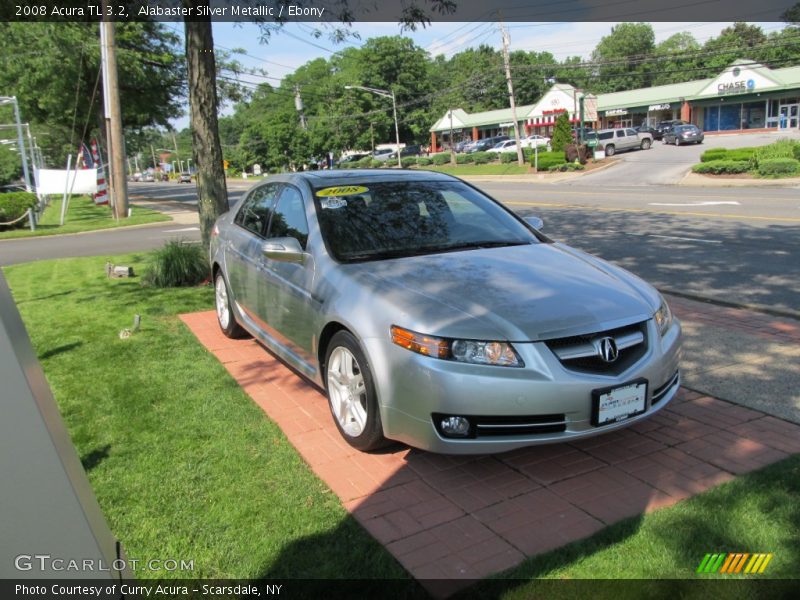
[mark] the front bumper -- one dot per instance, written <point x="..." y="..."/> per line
<point x="412" y="387"/>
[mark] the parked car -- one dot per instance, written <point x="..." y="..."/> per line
<point x="645" y="128"/>
<point x="185" y="177"/>
<point x="137" y="176"/>
<point x="383" y="155"/>
<point x="533" y="141"/>
<point x="586" y="131"/>
<point x="684" y="134"/>
<point x="149" y="178"/>
<point x="460" y="146"/>
<point x="410" y="150"/>
<point x="485" y="143"/>
<point x="616" y="140"/>
<point x="664" y="126"/>
<point x="505" y="146"/>
<point x="346" y="161"/>
<point x="365" y="283"/>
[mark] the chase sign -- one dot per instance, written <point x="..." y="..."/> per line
<point x="736" y="87"/>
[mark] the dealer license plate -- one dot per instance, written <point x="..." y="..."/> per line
<point x="611" y="405"/>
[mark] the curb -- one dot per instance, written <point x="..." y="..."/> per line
<point x="761" y="308"/>
<point x="59" y="235"/>
<point x="697" y="180"/>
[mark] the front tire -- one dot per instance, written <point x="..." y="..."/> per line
<point x="222" y="301"/>
<point x="645" y="144"/>
<point x="677" y="141"/>
<point x="351" y="393"/>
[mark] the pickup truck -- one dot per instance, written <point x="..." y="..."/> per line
<point x="624" y="138"/>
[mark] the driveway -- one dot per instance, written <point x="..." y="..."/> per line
<point x="666" y="165"/>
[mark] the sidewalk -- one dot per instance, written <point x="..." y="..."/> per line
<point x="450" y="520"/>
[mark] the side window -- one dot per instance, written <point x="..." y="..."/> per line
<point x="606" y="135"/>
<point x="620" y="133"/>
<point x="630" y="132"/>
<point x="289" y="217"/>
<point x="255" y="212"/>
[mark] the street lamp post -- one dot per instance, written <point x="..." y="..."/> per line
<point x="385" y="94"/>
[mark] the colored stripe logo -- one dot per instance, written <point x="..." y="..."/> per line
<point x="735" y="563"/>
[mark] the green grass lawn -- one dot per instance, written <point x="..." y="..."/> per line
<point x="185" y="465"/>
<point x="182" y="462"/>
<point x="82" y="215"/>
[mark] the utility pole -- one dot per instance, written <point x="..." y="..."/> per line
<point x="113" y="114"/>
<point x="153" y="152"/>
<point x="298" y="104"/>
<point x="507" y="64"/>
<point x="452" y="145"/>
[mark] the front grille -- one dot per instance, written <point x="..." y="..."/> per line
<point x="507" y="426"/>
<point x="580" y="352"/>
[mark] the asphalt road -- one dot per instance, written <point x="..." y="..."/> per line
<point x="737" y="245"/>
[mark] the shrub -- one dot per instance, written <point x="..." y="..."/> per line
<point x="481" y="158"/>
<point x="780" y="149"/>
<point x="441" y="159"/>
<point x="562" y="133"/>
<point x="13" y="205"/>
<point x="463" y="159"/>
<point x="408" y="161"/>
<point x="796" y="151"/>
<point x="508" y="157"/>
<point x="714" y="154"/>
<point x="363" y="163"/>
<point x="718" y="167"/>
<point x="423" y="161"/>
<point x="548" y="159"/>
<point x="778" y="166"/>
<point x="376" y="164"/>
<point x="566" y="167"/>
<point x="177" y="264"/>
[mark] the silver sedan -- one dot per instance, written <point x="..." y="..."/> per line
<point x="433" y="315"/>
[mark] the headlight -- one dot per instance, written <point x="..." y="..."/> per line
<point x="500" y="354"/>
<point x="663" y="317"/>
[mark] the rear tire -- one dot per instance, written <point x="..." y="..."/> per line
<point x="351" y="393"/>
<point x="222" y="301"/>
<point x="610" y="150"/>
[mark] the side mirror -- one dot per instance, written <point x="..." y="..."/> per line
<point x="535" y="222"/>
<point x="284" y="249"/>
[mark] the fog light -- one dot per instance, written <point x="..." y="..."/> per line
<point x="455" y="426"/>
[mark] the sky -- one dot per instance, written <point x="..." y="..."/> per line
<point x="295" y="44"/>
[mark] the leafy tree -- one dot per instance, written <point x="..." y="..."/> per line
<point x="676" y="56"/>
<point x="740" y="41"/>
<point x="562" y="133"/>
<point x="10" y="165"/>
<point x="53" y="70"/>
<point x="621" y="54"/>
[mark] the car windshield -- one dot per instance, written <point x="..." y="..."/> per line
<point x="396" y="219"/>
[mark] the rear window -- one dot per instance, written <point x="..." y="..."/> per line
<point x="605" y="135"/>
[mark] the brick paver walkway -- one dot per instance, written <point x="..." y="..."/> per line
<point x="448" y="517"/>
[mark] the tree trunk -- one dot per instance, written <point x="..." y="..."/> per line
<point x="212" y="193"/>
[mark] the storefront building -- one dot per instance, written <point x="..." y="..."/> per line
<point x="746" y="96"/>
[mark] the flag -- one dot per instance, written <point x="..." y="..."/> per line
<point x="85" y="157"/>
<point x="101" y="197"/>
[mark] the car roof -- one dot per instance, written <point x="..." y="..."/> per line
<point x="349" y="176"/>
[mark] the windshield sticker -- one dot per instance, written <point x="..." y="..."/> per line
<point x="335" y="202"/>
<point x="342" y="190"/>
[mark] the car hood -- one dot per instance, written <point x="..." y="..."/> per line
<point x="519" y="293"/>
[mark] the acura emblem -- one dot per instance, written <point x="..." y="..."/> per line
<point x="607" y="350"/>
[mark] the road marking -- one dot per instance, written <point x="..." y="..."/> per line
<point x="181" y="230"/>
<point x="733" y="202"/>
<point x="684" y="239"/>
<point x="660" y="212"/>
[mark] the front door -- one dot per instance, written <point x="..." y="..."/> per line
<point x="794" y="116"/>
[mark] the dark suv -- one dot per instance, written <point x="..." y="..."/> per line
<point x="487" y="143"/>
<point x="665" y="126"/>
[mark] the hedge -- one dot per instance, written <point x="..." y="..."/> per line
<point x="463" y="159"/>
<point x="796" y="151"/>
<point x="778" y="166"/>
<point x="566" y="167"/>
<point x="718" y="167"/>
<point x="13" y="205"/>
<point x="441" y="159"/>
<point x="377" y="164"/>
<point x="549" y="159"/>
<point x="737" y="154"/>
<point x="779" y="149"/>
<point x="408" y="161"/>
<point x="423" y="161"/>
<point x="363" y="163"/>
<point x="484" y="157"/>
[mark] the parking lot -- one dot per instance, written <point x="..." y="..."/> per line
<point x="667" y="164"/>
